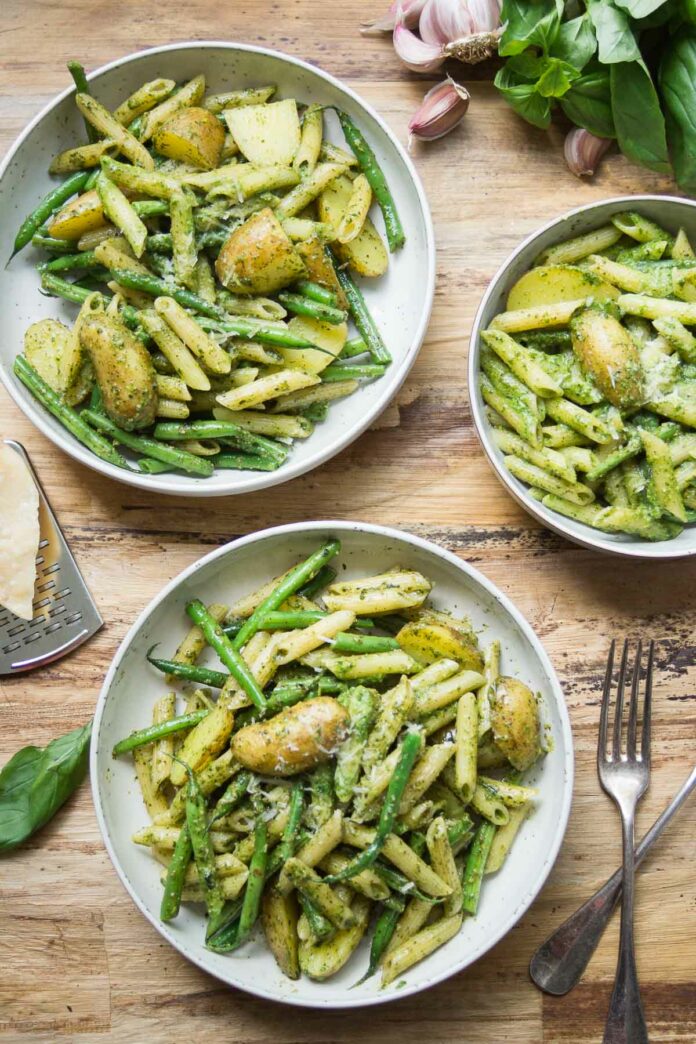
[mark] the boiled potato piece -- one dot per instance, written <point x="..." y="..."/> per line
<point x="426" y="642"/>
<point x="366" y="253"/>
<point x="319" y="268"/>
<point x="123" y="370"/>
<point x="259" y="257"/>
<point x="279" y="916"/>
<point x="54" y="353"/>
<point x="82" y="385"/>
<point x="193" y="136"/>
<point x="515" y="722"/>
<point x="607" y="350"/>
<point x="550" y="284"/>
<point x="323" y="960"/>
<point x="295" y="740"/>
<point x="81" y="215"/>
<point x="266" y="134"/>
<point x="326" y="335"/>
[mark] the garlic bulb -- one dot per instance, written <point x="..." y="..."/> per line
<point x="444" y="20"/>
<point x="410" y="9"/>
<point x="442" y="108"/>
<point x="415" y="53"/>
<point x="583" y="151"/>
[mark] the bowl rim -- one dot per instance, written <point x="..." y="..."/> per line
<point x="249" y="482"/>
<point x="400" y="536"/>
<point x="551" y="519"/>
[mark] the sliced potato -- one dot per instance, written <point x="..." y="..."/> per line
<point x="259" y="257"/>
<point x="295" y="740"/>
<point x="81" y="215"/>
<point x="319" y="268"/>
<point x="123" y="370"/>
<point x="550" y="284"/>
<point x="191" y="136"/>
<point x="428" y="641"/>
<point x="279" y="916"/>
<point x="515" y="722"/>
<point x="607" y="350"/>
<point x="54" y="353"/>
<point x="326" y="335"/>
<point x="266" y="134"/>
<point x="366" y="253"/>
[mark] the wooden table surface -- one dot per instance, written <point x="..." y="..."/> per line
<point x="78" y="961"/>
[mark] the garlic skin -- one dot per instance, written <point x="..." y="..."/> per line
<point x="444" y="20"/>
<point x="442" y="108"/>
<point x="583" y="151"/>
<point x="415" y="53"/>
<point x="410" y="10"/>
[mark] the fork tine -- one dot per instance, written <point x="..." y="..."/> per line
<point x="647" y="708"/>
<point x="606" y="696"/>
<point x="618" y="710"/>
<point x="633" y="710"/>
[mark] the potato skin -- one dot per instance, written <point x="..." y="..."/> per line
<point x="192" y="135"/>
<point x="515" y="721"/>
<point x="279" y="915"/>
<point x="319" y="268"/>
<point x="81" y="215"/>
<point x="428" y="641"/>
<point x="607" y="350"/>
<point x="295" y="740"/>
<point x="259" y="257"/>
<point x="123" y="370"/>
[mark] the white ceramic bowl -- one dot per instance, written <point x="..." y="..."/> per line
<point x="668" y="211"/>
<point x="131" y="687"/>
<point x="400" y="301"/>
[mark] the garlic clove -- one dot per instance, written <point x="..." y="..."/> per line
<point x="442" y="108"/>
<point x="583" y="151"/>
<point x="444" y="20"/>
<point x="415" y="53"/>
<point x="411" y="11"/>
<point x="484" y="14"/>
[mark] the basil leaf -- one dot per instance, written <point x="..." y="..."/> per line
<point x="678" y="86"/>
<point x="615" y="40"/>
<point x="640" y="8"/>
<point x="525" y="68"/>
<point x="638" y="119"/>
<point x="556" y="79"/>
<point x="524" y="98"/>
<point x="576" y="42"/>
<point x="588" y="104"/>
<point x="35" y="783"/>
<point x="529" y="23"/>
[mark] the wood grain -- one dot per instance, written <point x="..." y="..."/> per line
<point x="79" y="962"/>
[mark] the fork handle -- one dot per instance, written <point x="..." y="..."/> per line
<point x="625" y="1020"/>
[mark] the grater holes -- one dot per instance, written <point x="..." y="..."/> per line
<point x="46" y="586"/>
<point x="39" y="605"/>
<point x="33" y="637"/>
<point x="53" y="627"/>
<point x="11" y="648"/>
<point x="40" y="560"/>
<point x="42" y="544"/>
<point x="62" y="594"/>
<point x="73" y="618"/>
<point x="37" y="620"/>
<point x="51" y="569"/>
<point x="57" y="610"/>
<point x="17" y="629"/>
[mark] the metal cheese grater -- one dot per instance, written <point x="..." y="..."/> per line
<point x="65" y="614"/>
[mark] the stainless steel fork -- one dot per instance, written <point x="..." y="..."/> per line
<point x="624" y="772"/>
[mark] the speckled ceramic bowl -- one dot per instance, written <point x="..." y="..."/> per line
<point x="400" y="301"/>
<point x="132" y="686"/>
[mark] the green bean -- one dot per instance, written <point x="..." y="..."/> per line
<point x="291" y="583"/>
<point x="150" y="284"/>
<point x="67" y="262"/>
<point x="156" y="732"/>
<point x="361" y="705"/>
<point x="50" y="203"/>
<point x="316" y="412"/>
<point x="218" y="640"/>
<point x="400" y="883"/>
<point x="244" y="462"/>
<point x="378" y="183"/>
<point x="301" y="305"/>
<point x="475" y="865"/>
<point x="150" y="207"/>
<point x="353" y="346"/>
<point x="322" y="796"/>
<point x="362" y="643"/>
<point x="68" y="417"/>
<point x="277" y="701"/>
<point x="202" y="845"/>
<point x="154" y="467"/>
<point x="221" y="934"/>
<point x="278" y="620"/>
<point x="547" y="340"/>
<point x="51" y="244"/>
<point x="82" y="87"/>
<point x="320" y="926"/>
<point x="460" y="832"/>
<point x="322" y="579"/>
<point x="410" y="748"/>
<point x="143" y="444"/>
<point x="272" y="335"/>
<point x="317" y="292"/>
<point x="176" y="874"/>
<point x="288" y="842"/>
<point x="255" y="882"/>
<point x="330" y="687"/>
<point x="190" y="671"/>
<point x="385" y="927"/>
<point x="361" y="316"/>
<point x="227" y="430"/>
<point x="58" y="287"/>
<point x="233" y="795"/>
<point x="92" y="179"/>
<point x="341" y="372"/>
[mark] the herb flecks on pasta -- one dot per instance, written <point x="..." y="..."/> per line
<point x="360" y="761"/>
<point x="589" y="378"/>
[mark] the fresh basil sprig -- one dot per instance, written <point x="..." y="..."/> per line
<point x="35" y="783"/>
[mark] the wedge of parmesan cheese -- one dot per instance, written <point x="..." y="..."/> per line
<point x="19" y="534"/>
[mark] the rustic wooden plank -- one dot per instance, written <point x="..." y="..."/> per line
<point x="66" y="923"/>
